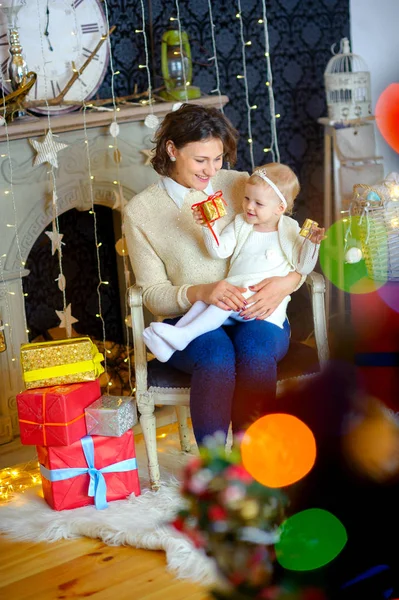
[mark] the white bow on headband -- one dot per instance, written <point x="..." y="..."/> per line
<point x="263" y="175"/>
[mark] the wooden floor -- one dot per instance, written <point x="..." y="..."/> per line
<point x="88" y="569"/>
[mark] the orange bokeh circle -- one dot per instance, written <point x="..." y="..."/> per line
<point x="278" y="450"/>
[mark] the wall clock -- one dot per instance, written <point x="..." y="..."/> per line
<point x="67" y="31"/>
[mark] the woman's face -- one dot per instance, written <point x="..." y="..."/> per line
<point x="196" y="162"/>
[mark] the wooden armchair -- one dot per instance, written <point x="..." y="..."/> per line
<point x="159" y="384"/>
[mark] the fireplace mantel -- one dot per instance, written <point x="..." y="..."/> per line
<point x="95" y="118"/>
<point x="28" y="202"/>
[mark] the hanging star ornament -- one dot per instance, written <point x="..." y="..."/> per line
<point x="148" y="154"/>
<point x="66" y="319"/>
<point x="47" y="150"/>
<point x="55" y="237"/>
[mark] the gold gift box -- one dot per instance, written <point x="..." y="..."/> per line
<point x="75" y="360"/>
<point x="307" y="226"/>
<point x="213" y="208"/>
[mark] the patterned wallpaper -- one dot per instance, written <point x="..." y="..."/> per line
<point x="301" y="35"/>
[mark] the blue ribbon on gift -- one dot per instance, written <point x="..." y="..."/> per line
<point x="97" y="485"/>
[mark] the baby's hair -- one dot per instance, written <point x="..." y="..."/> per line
<point x="283" y="177"/>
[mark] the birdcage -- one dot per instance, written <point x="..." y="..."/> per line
<point x="347" y="82"/>
<point x="377" y="208"/>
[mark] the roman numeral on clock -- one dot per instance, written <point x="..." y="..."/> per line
<point x="55" y="87"/>
<point x="90" y="28"/>
<point x="4" y="66"/>
<point x="76" y="3"/>
<point x="5" y="42"/>
<point x="86" y="53"/>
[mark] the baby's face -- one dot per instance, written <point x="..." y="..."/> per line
<point x="261" y="206"/>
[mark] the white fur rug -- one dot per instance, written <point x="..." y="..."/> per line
<point x="141" y="522"/>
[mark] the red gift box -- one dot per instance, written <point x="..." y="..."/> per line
<point x="74" y="491"/>
<point x="55" y="416"/>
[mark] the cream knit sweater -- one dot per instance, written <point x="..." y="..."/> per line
<point x="166" y="246"/>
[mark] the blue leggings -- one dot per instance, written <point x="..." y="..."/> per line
<point x="234" y="374"/>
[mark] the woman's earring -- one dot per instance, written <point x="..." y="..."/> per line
<point x="172" y="158"/>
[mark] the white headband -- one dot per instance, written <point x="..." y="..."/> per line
<point x="262" y="174"/>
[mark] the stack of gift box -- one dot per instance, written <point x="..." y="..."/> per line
<point x="84" y="440"/>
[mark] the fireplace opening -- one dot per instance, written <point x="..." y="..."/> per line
<point x="80" y="268"/>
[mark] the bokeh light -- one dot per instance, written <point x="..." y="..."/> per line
<point x="310" y="539"/>
<point x="389" y="294"/>
<point x="371" y="444"/>
<point x="278" y="450"/>
<point x="387" y="115"/>
<point x="352" y="278"/>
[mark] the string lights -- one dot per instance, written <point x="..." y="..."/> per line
<point x="151" y="120"/>
<point x="8" y="327"/>
<point x="274" y="149"/>
<point x="244" y="76"/>
<point x="185" y="82"/>
<point x="114" y="131"/>
<point x="16" y="480"/>
<point x="92" y="210"/>
<point x="215" y="58"/>
<point x="6" y="192"/>
<point x="55" y="220"/>
<point x="125" y="259"/>
<point x="7" y="324"/>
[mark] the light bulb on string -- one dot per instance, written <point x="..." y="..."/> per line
<point x="247" y="102"/>
<point x="214" y="58"/>
<point x="274" y="149"/>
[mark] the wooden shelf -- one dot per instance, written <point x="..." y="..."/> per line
<point x="75" y="120"/>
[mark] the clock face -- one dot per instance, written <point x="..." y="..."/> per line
<point x="53" y="35"/>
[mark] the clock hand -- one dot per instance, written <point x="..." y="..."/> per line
<point x="46" y="32"/>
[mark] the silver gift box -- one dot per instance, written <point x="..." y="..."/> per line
<point x="111" y="415"/>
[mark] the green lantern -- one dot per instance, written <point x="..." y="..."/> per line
<point x="172" y="61"/>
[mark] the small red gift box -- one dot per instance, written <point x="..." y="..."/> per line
<point x="94" y="470"/>
<point x="55" y="416"/>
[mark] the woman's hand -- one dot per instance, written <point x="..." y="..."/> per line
<point x="222" y="294"/>
<point x="198" y="218"/>
<point x="269" y="293"/>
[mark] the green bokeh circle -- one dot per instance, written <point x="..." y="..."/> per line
<point x="352" y="278"/>
<point x="309" y="540"/>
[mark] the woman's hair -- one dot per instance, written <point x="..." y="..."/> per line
<point x="193" y="123"/>
<point x="283" y="177"/>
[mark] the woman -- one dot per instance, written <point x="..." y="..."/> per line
<point x="233" y="367"/>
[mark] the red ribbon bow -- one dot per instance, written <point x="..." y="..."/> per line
<point x="212" y="199"/>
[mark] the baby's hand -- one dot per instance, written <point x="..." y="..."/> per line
<point x="317" y="234"/>
<point x="198" y="218"/>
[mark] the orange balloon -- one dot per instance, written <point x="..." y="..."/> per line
<point x="387" y="115"/>
<point x="278" y="450"/>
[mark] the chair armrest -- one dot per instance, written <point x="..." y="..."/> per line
<point x="140" y="351"/>
<point x="317" y="287"/>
